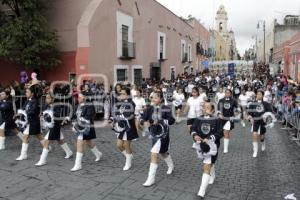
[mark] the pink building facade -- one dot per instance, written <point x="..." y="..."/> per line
<point x="123" y="40"/>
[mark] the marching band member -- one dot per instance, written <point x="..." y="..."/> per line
<point x="258" y="112"/>
<point x="85" y="131"/>
<point x="52" y="124"/>
<point x="227" y="108"/>
<point x="6" y="119"/>
<point x="31" y="112"/>
<point x="124" y="125"/>
<point x="159" y="116"/>
<point x="207" y="132"/>
<point x="243" y="102"/>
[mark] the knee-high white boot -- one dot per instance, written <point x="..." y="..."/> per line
<point x="226" y="144"/>
<point x="128" y="162"/>
<point x="212" y="175"/>
<point x="23" y="155"/>
<point x="43" y="158"/>
<point x="263" y="145"/>
<point x="67" y="150"/>
<point x="78" y="165"/>
<point x="151" y="175"/>
<point x="20" y="135"/>
<point x="255" y="149"/>
<point x="204" y="184"/>
<point x="2" y="143"/>
<point x="170" y="164"/>
<point x="97" y="153"/>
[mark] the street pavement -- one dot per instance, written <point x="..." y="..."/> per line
<point x="274" y="174"/>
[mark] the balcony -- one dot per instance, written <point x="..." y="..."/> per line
<point x="128" y="50"/>
<point x="199" y="49"/>
<point x="185" y="57"/>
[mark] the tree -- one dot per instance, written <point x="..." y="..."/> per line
<point x="24" y="36"/>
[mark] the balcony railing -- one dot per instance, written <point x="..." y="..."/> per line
<point x="128" y="50"/>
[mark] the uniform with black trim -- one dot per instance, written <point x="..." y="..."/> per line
<point x="54" y="132"/>
<point x="7" y="114"/>
<point x="85" y="112"/>
<point x="256" y="110"/>
<point x="159" y="131"/>
<point x="211" y="128"/>
<point x="32" y="110"/>
<point x="124" y="124"/>
<point x="227" y="107"/>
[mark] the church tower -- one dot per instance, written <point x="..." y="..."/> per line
<point x="222" y="20"/>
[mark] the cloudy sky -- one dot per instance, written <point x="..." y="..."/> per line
<point x="243" y="14"/>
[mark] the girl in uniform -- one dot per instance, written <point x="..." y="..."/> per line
<point x="158" y="117"/>
<point x="258" y="112"/>
<point x="206" y="133"/>
<point x="124" y="125"/>
<point x="85" y="131"/>
<point x="52" y="124"/>
<point x="6" y="120"/>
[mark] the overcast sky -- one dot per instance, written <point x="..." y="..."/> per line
<point x="243" y="14"/>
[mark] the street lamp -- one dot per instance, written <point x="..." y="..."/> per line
<point x="264" y="29"/>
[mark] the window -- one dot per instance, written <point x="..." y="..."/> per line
<point x="184" y="57"/>
<point x="137" y="76"/>
<point x="121" y="75"/>
<point x="189" y="53"/>
<point x="161" y="51"/>
<point x="125" y="44"/>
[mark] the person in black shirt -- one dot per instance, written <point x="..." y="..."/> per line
<point x="6" y="118"/>
<point x="52" y="124"/>
<point x="158" y="118"/>
<point x="206" y="133"/>
<point x="124" y="125"/>
<point x="84" y="129"/>
<point x="33" y="127"/>
<point x="227" y="110"/>
<point x="258" y="112"/>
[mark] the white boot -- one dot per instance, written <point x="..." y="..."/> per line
<point x="43" y="158"/>
<point x="255" y="149"/>
<point x="20" y="135"/>
<point x="67" y="150"/>
<point x="151" y="175"/>
<point x="78" y="161"/>
<point x="204" y="184"/>
<point x="243" y="123"/>
<point x="212" y="175"/>
<point x="263" y="145"/>
<point x="124" y="153"/>
<point x="2" y="143"/>
<point x="97" y="153"/>
<point x="170" y="164"/>
<point x="226" y="144"/>
<point x="23" y="155"/>
<point x="128" y="162"/>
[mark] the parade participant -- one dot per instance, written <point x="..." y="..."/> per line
<point x="84" y="129"/>
<point x="206" y="133"/>
<point x="219" y="95"/>
<point x="178" y="99"/>
<point x="243" y="102"/>
<point x="31" y="110"/>
<point x="158" y="117"/>
<point x="193" y="107"/>
<point x="250" y="93"/>
<point x="140" y="105"/>
<point x="124" y="126"/>
<point x="227" y="109"/>
<point x="258" y="112"/>
<point x="6" y="120"/>
<point x="51" y="123"/>
<point x="257" y="84"/>
<point x="236" y="89"/>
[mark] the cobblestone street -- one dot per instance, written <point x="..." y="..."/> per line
<point x="272" y="175"/>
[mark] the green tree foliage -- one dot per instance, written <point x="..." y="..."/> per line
<point x="24" y="36"/>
